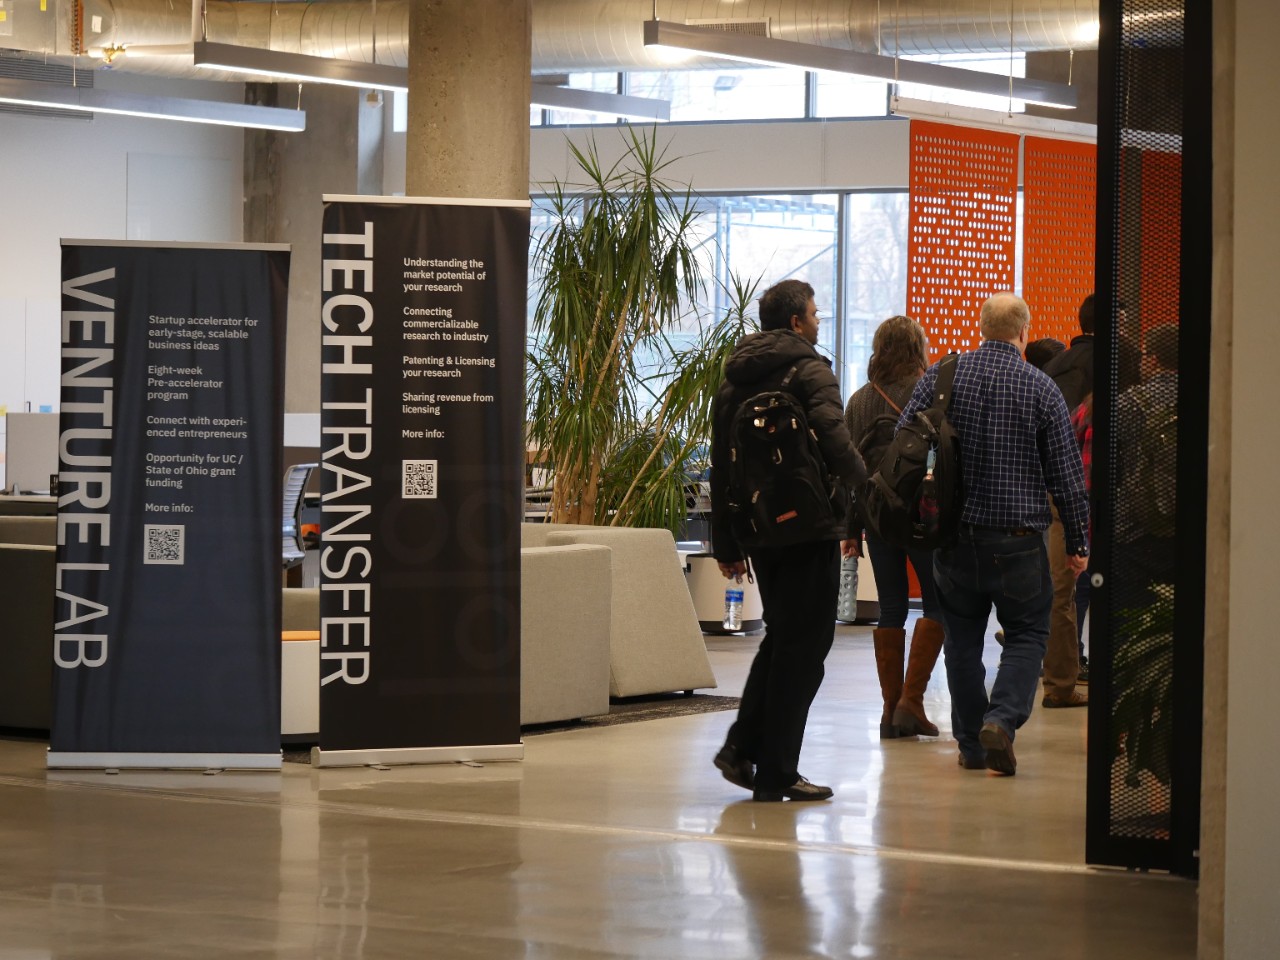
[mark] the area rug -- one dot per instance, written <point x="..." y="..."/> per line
<point x="626" y="710"/>
<point x="632" y="709"/>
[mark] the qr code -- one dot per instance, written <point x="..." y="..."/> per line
<point x="164" y="544"/>
<point x="418" y="480"/>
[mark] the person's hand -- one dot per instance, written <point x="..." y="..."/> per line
<point x="1077" y="563"/>
<point x="733" y="571"/>
<point x="850" y="548"/>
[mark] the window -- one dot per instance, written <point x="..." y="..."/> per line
<point x="840" y="95"/>
<point x="875" y="277"/>
<point x="751" y="93"/>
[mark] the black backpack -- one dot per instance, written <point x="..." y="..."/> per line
<point x="779" y="491"/>
<point x="913" y="498"/>
<point x="872" y="446"/>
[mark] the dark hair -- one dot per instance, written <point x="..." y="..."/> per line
<point x="899" y="349"/>
<point x="782" y="301"/>
<point x="1162" y="343"/>
<point x="1086" y="315"/>
<point x="1040" y="352"/>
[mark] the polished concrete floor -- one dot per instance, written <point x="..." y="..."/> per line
<point x="619" y="841"/>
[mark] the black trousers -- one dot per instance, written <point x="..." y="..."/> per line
<point x="798" y="588"/>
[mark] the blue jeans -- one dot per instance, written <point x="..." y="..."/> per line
<point x="889" y="564"/>
<point x="1011" y="572"/>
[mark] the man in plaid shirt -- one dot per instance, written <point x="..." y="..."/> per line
<point x="1016" y="442"/>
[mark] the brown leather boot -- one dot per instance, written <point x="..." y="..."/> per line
<point x="890" y="645"/>
<point x="908" y="715"/>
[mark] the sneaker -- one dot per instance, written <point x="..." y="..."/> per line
<point x="1083" y="676"/>
<point x="802" y="789"/>
<point x="999" y="749"/>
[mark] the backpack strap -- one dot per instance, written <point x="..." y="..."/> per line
<point x="946" y="377"/>
<point x="887" y="399"/>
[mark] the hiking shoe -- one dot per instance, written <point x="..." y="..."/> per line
<point x="999" y="749"/>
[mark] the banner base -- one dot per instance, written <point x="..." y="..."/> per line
<point x="400" y="755"/>
<point x="63" y="760"/>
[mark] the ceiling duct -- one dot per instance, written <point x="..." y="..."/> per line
<point x="568" y="35"/>
<point x="18" y="67"/>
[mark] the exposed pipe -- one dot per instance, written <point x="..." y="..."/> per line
<point x="577" y="35"/>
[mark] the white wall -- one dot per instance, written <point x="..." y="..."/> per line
<point x="802" y="156"/>
<point x="718" y="157"/>
<point x="110" y="178"/>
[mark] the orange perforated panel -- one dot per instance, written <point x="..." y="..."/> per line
<point x="1059" y="192"/>
<point x="1161" y="218"/>
<point x="964" y="188"/>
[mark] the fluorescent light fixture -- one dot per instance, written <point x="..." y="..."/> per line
<point x="807" y="56"/>
<point x="598" y="101"/>
<point x="56" y="97"/>
<point x="993" y="120"/>
<point x="298" y="66"/>
<point x="279" y="65"/>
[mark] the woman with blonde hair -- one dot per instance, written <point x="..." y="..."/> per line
<point x="899" y="358"/>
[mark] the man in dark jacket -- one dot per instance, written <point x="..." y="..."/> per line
<point x="1072" y="370"/>
<point x="799" y="579"/>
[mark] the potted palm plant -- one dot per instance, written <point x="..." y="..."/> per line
<point x="622" y="367"/>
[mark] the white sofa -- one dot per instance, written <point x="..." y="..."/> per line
<point x="565" y="601"/>
<point x="300" y="665"/>
<point x="655" y="643"/>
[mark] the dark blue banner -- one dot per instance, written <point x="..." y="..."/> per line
<point x="167" y="627"/>
<point x="423" y="343"/>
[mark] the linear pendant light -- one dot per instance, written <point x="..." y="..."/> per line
<point x="807" y="56"/>
<point x="298" y="66"/>
<point x="557" y="97"/>
<point x="29" y="93"/>
<point x="994" y="120"/>
<point x="259" y="61"/>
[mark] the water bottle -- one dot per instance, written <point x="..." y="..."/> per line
<point x="733" y="609"/>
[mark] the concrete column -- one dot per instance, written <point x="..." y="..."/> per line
<point x="1240" y="836"/>
<point x="286" y="174"/>
<point x="469" y="68"/>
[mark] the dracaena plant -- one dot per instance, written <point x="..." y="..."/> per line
<point x="622" y="367"/>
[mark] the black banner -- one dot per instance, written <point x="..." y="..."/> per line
<point x="167" y="633"/>
<point x="422" y="438"/>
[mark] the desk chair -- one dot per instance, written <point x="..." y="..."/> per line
<point x="292" y="549"/>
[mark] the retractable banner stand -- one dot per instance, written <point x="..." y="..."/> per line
<point x="422" y="439"/>
<point x="166" y="646"/>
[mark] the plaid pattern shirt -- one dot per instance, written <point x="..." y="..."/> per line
<point x="1016" y="442"/>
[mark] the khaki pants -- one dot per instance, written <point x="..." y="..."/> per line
<point x="1062" y="654"/>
